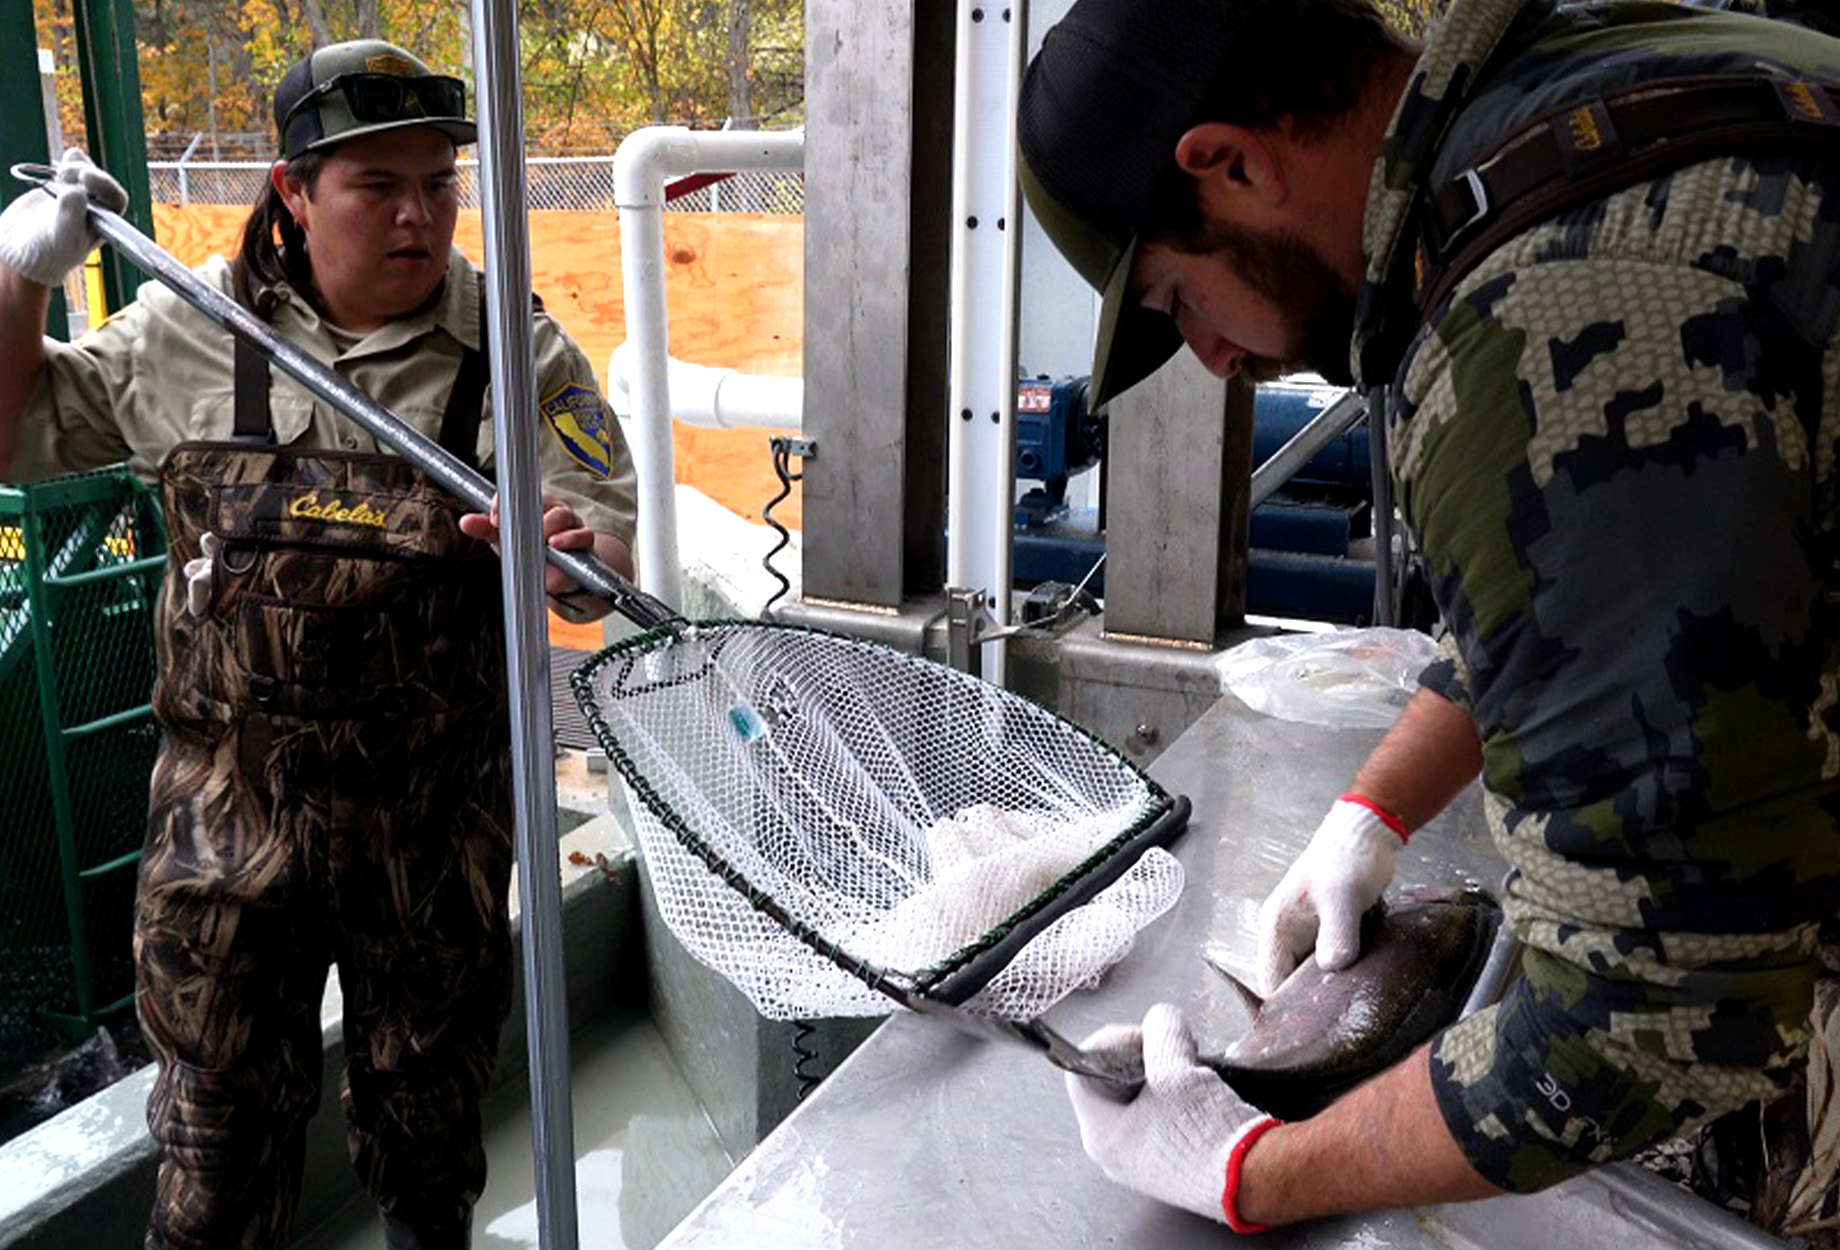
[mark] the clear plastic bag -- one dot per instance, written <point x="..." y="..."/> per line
<point x="1355" y="678"/>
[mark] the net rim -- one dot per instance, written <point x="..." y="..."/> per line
<point x="897" y="984"/>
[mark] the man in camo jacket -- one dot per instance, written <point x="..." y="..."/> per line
<point x="1611" y="383"/>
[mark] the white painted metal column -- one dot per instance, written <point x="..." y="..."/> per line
<point x="986" y="230"/>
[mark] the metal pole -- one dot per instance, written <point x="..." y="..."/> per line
<point x="1324" y="428"/>
<point x="514" y="386"/>
<point x="1386" y="595"/>
<point x="185" y="186"/>
<point x="110" y="68"/>
<point x="390" y="430"/>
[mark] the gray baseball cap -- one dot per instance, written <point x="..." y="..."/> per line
<point x="344" y="90"/>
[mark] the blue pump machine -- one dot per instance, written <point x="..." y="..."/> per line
<point x="1306" y="556"/>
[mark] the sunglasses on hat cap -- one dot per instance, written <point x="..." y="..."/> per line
<point x="389" y="97"/>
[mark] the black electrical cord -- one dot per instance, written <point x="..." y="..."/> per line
<point x="782" y="465"/>
<point x="802" y="1072"/>
<point x="802" y="1030"/>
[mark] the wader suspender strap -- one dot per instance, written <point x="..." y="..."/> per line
<point x="465" y="403"/>
<point x="459" y="422"/>
<point x="1589" y="150"/>
<point x="253" y="424"/>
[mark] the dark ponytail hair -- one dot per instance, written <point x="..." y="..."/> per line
<point x="261" y="264"/>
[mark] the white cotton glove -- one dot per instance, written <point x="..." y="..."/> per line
<point x="201" y="575"/>
<point x="1319" y="903"/>
<point x="44" y="236"/>
<point x="1172" y="1141"/>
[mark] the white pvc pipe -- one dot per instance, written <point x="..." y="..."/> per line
<point x="641" y="166"/>
<point x="715" y="398"/>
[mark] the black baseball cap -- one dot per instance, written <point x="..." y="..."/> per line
<point x="344" y="90"/>
<point x="1114" y="87"/>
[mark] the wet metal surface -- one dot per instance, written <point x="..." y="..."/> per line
<point x="928" y="1138"/>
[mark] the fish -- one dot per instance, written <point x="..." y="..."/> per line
<point x="1320" y="1033"/>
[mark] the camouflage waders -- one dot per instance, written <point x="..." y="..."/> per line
<point x="333" y="789"/>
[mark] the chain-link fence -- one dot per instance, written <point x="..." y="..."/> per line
<point x="581" y="183"/>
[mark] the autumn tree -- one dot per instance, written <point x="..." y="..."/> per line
<point x="593" y="70"/>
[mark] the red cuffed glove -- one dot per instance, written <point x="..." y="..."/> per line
<point x="1318" y="905"/>
<point x="1181" y="1140"/>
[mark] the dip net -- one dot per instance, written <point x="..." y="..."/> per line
<point x="832" y="824"/>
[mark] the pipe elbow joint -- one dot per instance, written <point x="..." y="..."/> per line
<point x="643" y="160"/>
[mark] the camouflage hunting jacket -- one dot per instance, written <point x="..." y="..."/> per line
<point x="1614" y="444"/>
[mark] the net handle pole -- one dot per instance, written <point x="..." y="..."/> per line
<point x="470" y="487"/>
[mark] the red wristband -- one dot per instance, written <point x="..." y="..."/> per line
<point x="1387" y="818"/>
<point x="1236" y="1159"/>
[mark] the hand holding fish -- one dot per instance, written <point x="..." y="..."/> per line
<point x="1319" y="903"/>
<point x="1180" y="1139"/>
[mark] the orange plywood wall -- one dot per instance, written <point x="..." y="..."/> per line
<point x="734" y="286"/>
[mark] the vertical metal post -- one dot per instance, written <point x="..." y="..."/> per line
<point x="507" y="261"/>
<point x="875" y="296"/>
<point x="1177" y="471"/>
<point x="110" y="66"/>
<point x="23" y="126"/>
<point x="1386" y="592"/>
<point x="47" y="86"/>
<point x="981" y="477"/>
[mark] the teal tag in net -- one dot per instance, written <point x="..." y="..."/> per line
<point x="747" y="723"/>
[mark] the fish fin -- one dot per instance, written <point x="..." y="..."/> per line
<point x="1253" y="1003"/>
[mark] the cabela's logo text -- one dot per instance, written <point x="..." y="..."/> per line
<point x="332" y="511"/>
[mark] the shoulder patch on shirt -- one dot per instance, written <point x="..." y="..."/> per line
<point x="579" y="419"/>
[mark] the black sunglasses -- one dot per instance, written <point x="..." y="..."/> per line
<point x="389" y="97"/>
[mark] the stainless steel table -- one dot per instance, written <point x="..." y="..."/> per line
<point x="925" y="1138"/>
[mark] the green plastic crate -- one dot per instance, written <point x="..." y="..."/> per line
<point x="81" y="559"/>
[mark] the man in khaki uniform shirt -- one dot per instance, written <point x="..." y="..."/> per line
<point x="157" y="374"/>
<point x="333" y="783"/>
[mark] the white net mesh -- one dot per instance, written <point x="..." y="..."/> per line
<point x="798" y="792"/>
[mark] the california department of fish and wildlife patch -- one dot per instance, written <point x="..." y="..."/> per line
<point x="579" y="418"/>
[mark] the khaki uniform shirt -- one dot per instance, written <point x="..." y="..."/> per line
<point x="159" y="373"/>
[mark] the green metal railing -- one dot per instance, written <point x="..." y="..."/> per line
<point x="81" y="560"/>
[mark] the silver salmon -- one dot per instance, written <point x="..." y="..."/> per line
<point x="1322" y="1033"/>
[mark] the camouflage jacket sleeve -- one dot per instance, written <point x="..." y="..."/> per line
<point x="1615" y="445"/>
<point x="1446" y="674"/>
